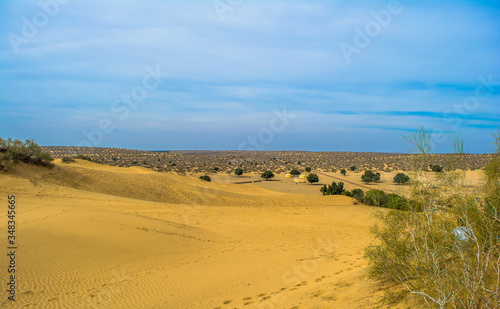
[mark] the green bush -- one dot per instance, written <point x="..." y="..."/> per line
<point x="436" y="168"/>
<point x="343" y="171"/>
<point x="333" y="189"/>
<point x="238" y="171"/>
<point x="14" y="151"/>
<point x="357" y="194"/>
<point x="347" y="193"/>
<point x="294" y="172"/>
<point x="267" y="175"/>
<point x="401" y="178"/>
<point x="206" y="178"/>
<point x="82" y="157"/>
<point x="67" y="159"/>
<point x="312" y="178"/>
<point x="398" y="202"/>
<point x="376" y="198"/>
<point x="370" y="176"/>
<point x="308" y="169"/>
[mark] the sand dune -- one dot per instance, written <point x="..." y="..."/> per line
<point x="96" y="236"/>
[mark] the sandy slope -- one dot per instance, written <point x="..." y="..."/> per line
<point x="94" y="236"/>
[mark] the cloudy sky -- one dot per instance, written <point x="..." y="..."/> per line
<point x="244" y="74"/>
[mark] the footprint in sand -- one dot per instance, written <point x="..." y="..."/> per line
<point x="318" y="294"/>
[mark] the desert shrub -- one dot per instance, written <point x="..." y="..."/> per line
<point x="311" y="178"/>
<point x="206" y="178"/>
<point x="82" y="157"/>
<point x="353" y="168"/>
<point x="401" y="203"/>
<point x="447" y="258"/>
<point x="308" y="169"/>
<point x="294" y="172"/>
<point x="347" y="193"/>
<point x="401" y="178"/>
<point x="14" y="151"/>
<point x="67" y="159"/>
<point x="333" y="189"/>
<point x="376" y="198"/>
<point x="357" y="194"/>
<point x="436" y="168"/>
<point x="370" y="176"/>
<point x="343" y="171"/>
<point x="238" y="171"/>
<point x="267" y="175"/>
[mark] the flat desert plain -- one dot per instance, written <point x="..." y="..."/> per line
<point x="98" y="236"/>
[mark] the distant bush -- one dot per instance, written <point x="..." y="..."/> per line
<point x="206" y="178"/>
<point x="401" y="178"/>
<point x="14" y="151"/>
<point x="376" y="198"/>
<point x="67" y="159"/>
<point x="311" y="178"/>
<point x="238" y="171"/>
<point x="353" y="168"/>
<point x="267" y="175"/>
<point x="436" y="168"/>
<point x="343" y="171"/>
<point x="333" y="189"/>
<point x="308" y="169"/>
<point x="83" y="157"/>
<point x="294" y="172"/>
<point x="357" y="194"/>
<point x="370" y="176"/>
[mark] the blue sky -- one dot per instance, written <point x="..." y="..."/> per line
<point x="242" y="74"/>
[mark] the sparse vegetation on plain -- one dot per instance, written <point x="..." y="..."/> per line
<point x="259" y="161"/>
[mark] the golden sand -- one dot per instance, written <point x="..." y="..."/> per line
<point x="96" y="236"/>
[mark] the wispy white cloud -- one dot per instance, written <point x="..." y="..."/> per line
<point x="227" y="76"/>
